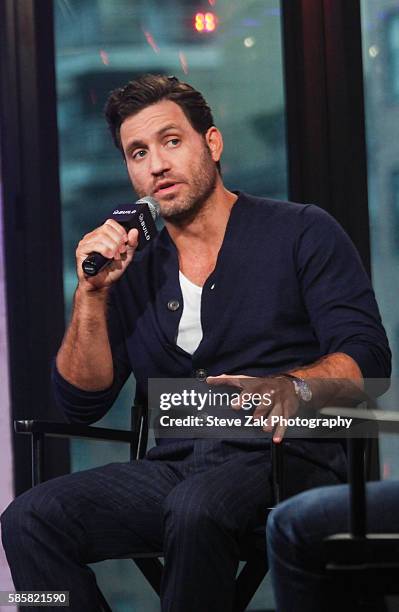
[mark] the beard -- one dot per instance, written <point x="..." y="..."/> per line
<point x="182" y="210"/>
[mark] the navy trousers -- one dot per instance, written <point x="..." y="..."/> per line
<point x="198" y="501"/>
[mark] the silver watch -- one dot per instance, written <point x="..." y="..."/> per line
<point x="302" y="388"/>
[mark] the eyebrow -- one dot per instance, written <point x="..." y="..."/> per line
<point x="140" y="144"/>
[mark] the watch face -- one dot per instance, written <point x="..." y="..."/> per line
<point x="302" y="389"/>
<point x="305" y="391"/>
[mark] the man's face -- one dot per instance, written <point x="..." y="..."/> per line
<point x="168" y="160"/>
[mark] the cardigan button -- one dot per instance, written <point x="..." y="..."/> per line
<point x="173" y="305"/>
<point x="201" y="374"/>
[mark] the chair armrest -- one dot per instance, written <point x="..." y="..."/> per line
<point x="67" y="430"/>
<point x="39" y="429"/>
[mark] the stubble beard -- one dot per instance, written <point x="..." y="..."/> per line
<point x="184" y="209"/>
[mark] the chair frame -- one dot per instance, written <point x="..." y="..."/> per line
<point x="371" y="559"/>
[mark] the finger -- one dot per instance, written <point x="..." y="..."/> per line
<point x="97" y="242"/>
<point x="117" y="264"/>
<point x="133" y="237"/>
<point x="277" y="411"/>
<point x="236" y="401"/>
<point x="230" y="381"/>
<point x="235" y="376"/>
<point x="115" y="227"/>
<point x="225" y="379"/>
<point x="119" y="235"/>
<point x="111" y="230"/>
<point x="286" y="411"/>
<point x="127" y="256"/>
<point x="101" y="244"/>
<point x="279" y="433"/>
<point x="266" y="408"/>
<point x="106" y="233"/>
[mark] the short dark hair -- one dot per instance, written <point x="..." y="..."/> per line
<point x="150" y="89"/>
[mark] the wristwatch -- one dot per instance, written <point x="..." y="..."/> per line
<point x="302" y="388"/>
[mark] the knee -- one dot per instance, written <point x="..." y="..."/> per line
<point x="7" y="518"/>
<point x="13" y="520"/>
<point x="29" y="513"/>
<point x="306" y="519"/>
<point x="292" y="521"/>
<point x="279" y="527"/>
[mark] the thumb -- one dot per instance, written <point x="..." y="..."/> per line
<point x="133" y="237"/>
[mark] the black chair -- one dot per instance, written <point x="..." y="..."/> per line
<point x="255" y="567"/>
<point x="366" y="563"/>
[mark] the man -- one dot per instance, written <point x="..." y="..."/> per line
<point x="295" y="533"/>
<point x="234" y="285"/>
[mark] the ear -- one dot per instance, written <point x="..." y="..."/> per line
<point x="214" y="141"/>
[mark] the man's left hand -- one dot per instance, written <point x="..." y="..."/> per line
<point x="284" y="401"/>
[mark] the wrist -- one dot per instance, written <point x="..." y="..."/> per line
<point x="302" y="389"/>
<point x="89" y="303"/>
<point x="86" y="291"/>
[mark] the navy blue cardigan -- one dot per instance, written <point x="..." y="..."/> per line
<point x="288" y="288"/>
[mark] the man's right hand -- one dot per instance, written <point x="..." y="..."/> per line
<point x="112" y="241"/>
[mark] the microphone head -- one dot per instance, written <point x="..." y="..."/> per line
<point x="152" y="204"/>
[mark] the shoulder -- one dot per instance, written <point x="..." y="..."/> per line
<point x="286" y="210"/>
<point x="269" y="206"/>
<point x="293" y="217"/>
<point x="308" y="228"/>
<point x="288" y="219"/>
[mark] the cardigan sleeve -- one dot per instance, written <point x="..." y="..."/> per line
<point x="86" y="407"/>
<point x="338" y="294"/>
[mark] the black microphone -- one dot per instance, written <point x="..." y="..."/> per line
<point x="141" y="216"/>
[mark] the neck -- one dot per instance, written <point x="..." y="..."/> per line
<point x="207" y="229"/>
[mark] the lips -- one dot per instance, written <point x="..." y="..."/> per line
<point x="165" y="186"/>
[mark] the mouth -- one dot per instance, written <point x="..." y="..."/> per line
<point x="165" y="187"/>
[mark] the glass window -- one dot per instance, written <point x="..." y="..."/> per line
<point x="230" y="51"/>
<point x="380" y="27"/>
<point x="393" y="54"/>
<point x="395" y="210"/>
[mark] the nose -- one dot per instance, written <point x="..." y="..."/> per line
<point x="158" y="162"/>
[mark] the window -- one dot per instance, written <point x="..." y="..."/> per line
<point x="393" y="55"/>
<point x="380" y="27"/>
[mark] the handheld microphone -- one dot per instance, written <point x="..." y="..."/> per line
<point x="141" y="216"/>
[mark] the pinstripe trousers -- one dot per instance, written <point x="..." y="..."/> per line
<point x="197" y="500"/>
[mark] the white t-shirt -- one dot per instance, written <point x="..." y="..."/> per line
<point x="189" y="334"/>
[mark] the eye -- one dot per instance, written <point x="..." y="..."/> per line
<point x="173" y="142"/>
<point x="139" y="154"/>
